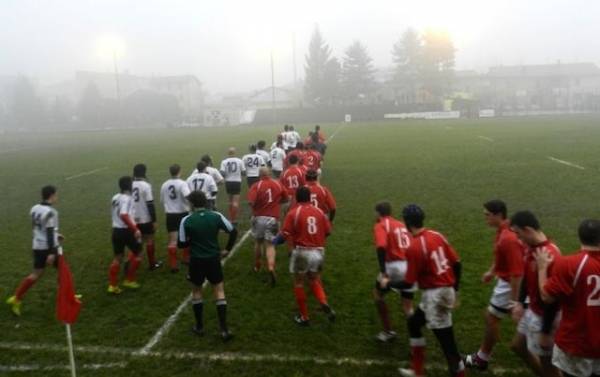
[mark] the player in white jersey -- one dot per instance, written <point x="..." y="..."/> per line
<point x="173" y="196"/>
<point x="210" y="170"/>
<point x="293" y="137"/>
<point x="252" y="162"/>
<point x="125" y="234"/>
<point x="260" y="150"/>
<point x="44" y="220"/>
<point x="145" y="212"/>
<point x="232" y="169"/>
<point x="204" y="182"/>
<point x="277" y="160"/>
<point x="277" y="142"/>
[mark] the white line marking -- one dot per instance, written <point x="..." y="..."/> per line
<point x="335" y="133"/>
<point x="7" y="151"/>
<point x="86" y="173"/>
<point x="34" y="367"/>
<point x="566" y="163"/>
<point x="486" y="138"/>
<point x="173" y="318"/>
<point x="234" y="356"/>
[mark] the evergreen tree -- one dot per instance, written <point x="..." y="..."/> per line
<point x="358" y="81"/>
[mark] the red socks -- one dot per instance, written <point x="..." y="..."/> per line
<point x="150" y="252"/>
<point x="113" y="273"/>
<point x="186" y="255"/>
<point x="172" y="252"/>
<point x="233" y="212"/>
<point x="317" y="289"/>
<point x="134" y="263"/>
<point x="383" y="314"/>
<point x="417" y="355"/>
<point x="301" y="301"/>
<point x="24" y="287"/>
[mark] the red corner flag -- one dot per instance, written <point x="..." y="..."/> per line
<point x="67" y="305"/>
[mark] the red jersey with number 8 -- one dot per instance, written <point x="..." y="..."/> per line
<point x="575" y="282"/>
<point x="306" y="225"/>
<point x="430" y="261"/>
<point x="391" y="235"/>
<point x="266" y="197"/>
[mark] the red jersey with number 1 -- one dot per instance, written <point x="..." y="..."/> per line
<point x="391" y="235"/>
<point x="267" y="195"/>
<point x="531" y="274"/>
<point x="430" y="261"/>
<point x="306" y="225"/>
<point x="292" y="178"/>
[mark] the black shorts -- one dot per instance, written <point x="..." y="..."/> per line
<point x="276" y="173"/>
<point x="123" y="237"/>
<point x="146" y="228"/>
<point x="40" y="257"/>
<point x="251" y="181"/>
<point x="233" y="188"/>
<point x="202" y="269"/>
<point x="173" y="221"/>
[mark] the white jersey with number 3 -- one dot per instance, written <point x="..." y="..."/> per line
<point x="122" y="204"/>
<point x="173" y="194"/>
<point x="202" y="182"/>
<point x="142" y="193"/>
<point x="232" y="169"/>
<point x="43" y="217"/>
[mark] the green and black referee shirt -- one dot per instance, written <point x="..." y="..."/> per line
<point x="201" y="230"/>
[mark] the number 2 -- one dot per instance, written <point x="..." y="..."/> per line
<point x="595" y="280"/>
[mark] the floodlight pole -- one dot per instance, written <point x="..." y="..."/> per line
<point x="273" y="89"/>
<point x="118" y="88"/>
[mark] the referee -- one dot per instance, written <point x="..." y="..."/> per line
<point x="200" y="231"/>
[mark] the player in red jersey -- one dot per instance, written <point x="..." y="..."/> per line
<point x="391" y="241"/>
<point x="293" y="176"/>
<point x="298" y="152"/>
<point x="575" y="285"/>
<point x="320" y="196"/>
<point x="307" y="228"/>
<point x="537" y="325"/>
<point x="313" y="159"/>
<point x="507" y="268"/>
<point x="435" y="267"/>
<point x="265" y="198"/>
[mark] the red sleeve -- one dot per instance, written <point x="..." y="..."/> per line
<point x="330" y="200"/>
<point x="413" y="259"/>
<point x="284" y="194"/>
<point x="252" y="194"/>
<point x="513" y="254"/>
<point x="288" y="225"/>
<point x="379" y="236"/>
<point x="327" y="225"/>
<point x="560" y="283"/>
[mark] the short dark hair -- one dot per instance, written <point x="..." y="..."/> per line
<point x="207" y="159"/>
<point x="174" y="169"/>
<point x="312" y="175"/>
<point x="201" y="166"/>
<point x="299" y="145"/>
<point x="286" y="127"/>
<point x="294" y="159"/>
<point x="302" y="194"/>
<point x="317" y="127"/>
<point x="261" y="144"/>
<point x="252" y="147"/>
<point x="291" y="128"/>
<point x="413" y="216"/>
<point x="139" y="171"/>
<point x="48" y="191"/>
<point x="523" y="219"/>
<point x="496" y="206"/>
<point x="589" y="232"/>
<point x="383" y="208"/>
<point x="197" y="198"/>
<point x="125" y="183"/>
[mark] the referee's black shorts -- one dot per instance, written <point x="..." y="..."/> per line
<point x="122" y="238"/>
<point x="202" y="269"/>
<point x="173" y="221"/>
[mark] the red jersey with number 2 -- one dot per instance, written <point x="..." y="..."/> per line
<point x="267" y="195"/>
<point x="306" y="225"/>
<point x="430" y="261"/>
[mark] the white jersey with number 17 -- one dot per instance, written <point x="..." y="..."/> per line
<point x="173" y="194"/>
<point x="202" y="182"/>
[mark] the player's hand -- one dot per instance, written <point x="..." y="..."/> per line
<point x="543" y="259"/>
<point x="138" y="235"/>
<point x="456" y="301"/>
<point x="517" y="311"/>
<point x="384" y="280"/>
<point x="61" y="238"/>
<point x="546" y="341"/>
<point x="487" y="277"/>
<point x="224" y="254"/>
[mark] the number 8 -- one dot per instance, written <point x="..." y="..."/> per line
<point x="312" y="225"/>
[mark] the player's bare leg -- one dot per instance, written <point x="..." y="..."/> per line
<point x="258" y="247"/>
<point x="172" y="252"/>
<point x="234" y="207"/>
<point x="270" y="252"/>
<point x="491" y="336"/>
<point x="113" y="274"/>
<point x="316" y="285"/>
<point x="387" y="334"/>
<point x="302" y="318"/>
<point x="519" y="346"/>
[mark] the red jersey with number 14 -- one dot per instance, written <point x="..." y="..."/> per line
<point x="391" y="235"/>
<point x="575" y="282"/>
<point x="306" y="225"/>
<point x="430" y="261"/>
<point x="266" y="197"/>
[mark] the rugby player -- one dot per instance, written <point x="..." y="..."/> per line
<point x="145" y="212"/>
<point x="204" y="182"/>
<point x="276" y="160"/>
<point x="252" y="162"/>
<point x="320" y="196"/>
<point x="232" y="169"/>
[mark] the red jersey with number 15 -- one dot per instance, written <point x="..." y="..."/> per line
<point x="430" y="261"/>
<point x="292" y="178"/>
<point x="391" y="235"/>
<point x="531" y="274"/>
<point x="266" y="197"/>
<point x="306" y="225"/>
<point x="575" y="282"/>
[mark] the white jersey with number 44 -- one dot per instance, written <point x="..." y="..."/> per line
<point x="173" y="194"/>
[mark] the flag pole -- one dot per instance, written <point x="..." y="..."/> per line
<point x="69" y="338"/>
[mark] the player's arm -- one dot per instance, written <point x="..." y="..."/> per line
<point x="228" y="228"/>
<point x="150" y="206"/>
<point x="213" y="188"/>
<point x="252" y="196"/>
<point x="544" y="259"/>
<point x="331" y="204"/>
<point x="183" y="240"/>
<point x="124" y="215"/>
<point x="285" y="197"/>
<point x="456" y="264"/>
<point x="51" y="231"/>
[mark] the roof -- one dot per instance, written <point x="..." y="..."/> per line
<point x="545" y="70"/>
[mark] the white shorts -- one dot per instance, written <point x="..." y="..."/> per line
<point x="576" y="366"/>
<point x="305" y="259"/>
<point x="437" y="304"/>
<point x="396" y="270"/>
<point x="530" y="326"/>
<point x="264" y="228"/>
<point x="500" y="301"/>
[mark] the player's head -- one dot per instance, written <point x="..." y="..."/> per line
<point x="291" y="128"/>
<point x="279" y="138"/>
<point x="201" y="166"/>
<point x="300" y="145"/>
<point x="125" y="183"/>
<point x="527" y="226"/>
<point x="495" y="212"/>
<point x="206" y="159"/>
<point x="383" y="209"/>
<point x="231" y="151"/>
<point x="413" y="216"/>
<point x="293" y="159"/>
<point x="252" y="148"/>
<point x="317" y="128"/>
<point x="302" y="194"/>
<point x="264" y="172"/>
<point x="174" y="170"/>
<point x="261" y="144"/>
<point x="197" y="199"/>
<point x="49" y="194"/>
<point x="312" y="175"/>
<point x="286" y="128"/>
<point x="139" y="171"/>
<point x="589" y="233"/>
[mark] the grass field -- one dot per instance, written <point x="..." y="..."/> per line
<point x="449" y="167"/>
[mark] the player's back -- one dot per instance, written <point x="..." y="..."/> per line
<point x="292" y="178"/>
<point x="43" y="216"/>
<point x="393" y="236"/>
<point x="321" y="197"/>
<point x="173" y="195"/>
<point x="252" y="163"/>
<point x="122" y="204"/>
<point x="141" y="192"/>
<point x="202" y="182"/>
<point x="531" y="274"/>
<point x="307" y="225"/>
<point x="266" y="196"/>
<point x="232" y="169"/>
<point x="430" y="260"/>
<point x="264" y="154"/>
<point x="277" y="158"/>
<point x="312" y="159"/>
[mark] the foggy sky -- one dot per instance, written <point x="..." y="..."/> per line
<point x="227" y="43"/>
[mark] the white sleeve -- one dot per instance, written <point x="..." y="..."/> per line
<point x="185" y="190"/>
<point x="223" y="168"/>
<point x="242" y="167"/>
<point x="219" y="176"/>
<point x="212" y="185"/>
<point x="148" y="193"/>
<point x="261" y="161"/>
<point x="182" y="236"/>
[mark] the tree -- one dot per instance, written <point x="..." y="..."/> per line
<point x="27" y="108"/>
<point x="407" y="56"/>
<point x="437" y="66"/>
<point x="321" y="77"/>
<point x="331" y="82"/>
<point x="358" y="81"/>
